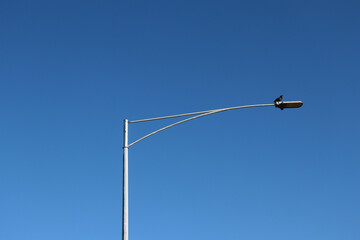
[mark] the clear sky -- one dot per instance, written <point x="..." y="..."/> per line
<point x="71" y="71"/>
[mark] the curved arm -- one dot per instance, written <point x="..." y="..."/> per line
<point x="171" y="116"/>
<point x="204" y="113"/>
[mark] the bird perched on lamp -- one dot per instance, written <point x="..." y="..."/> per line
<point x="278" y="101"/>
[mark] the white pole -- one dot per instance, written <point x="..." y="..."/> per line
<point x="125" y="217"/>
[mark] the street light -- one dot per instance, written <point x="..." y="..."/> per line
<point x="125" y="209"/>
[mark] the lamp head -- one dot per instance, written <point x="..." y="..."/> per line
<point x="289" y="104"/>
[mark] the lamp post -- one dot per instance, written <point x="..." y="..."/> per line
<point x="125" y="208"/>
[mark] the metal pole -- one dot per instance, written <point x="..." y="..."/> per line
<point x="125" y="216"/>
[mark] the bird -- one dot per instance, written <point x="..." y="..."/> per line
<point x="279" y="99"/>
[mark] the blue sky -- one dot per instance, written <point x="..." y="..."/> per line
<point x="71" y="71"/>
